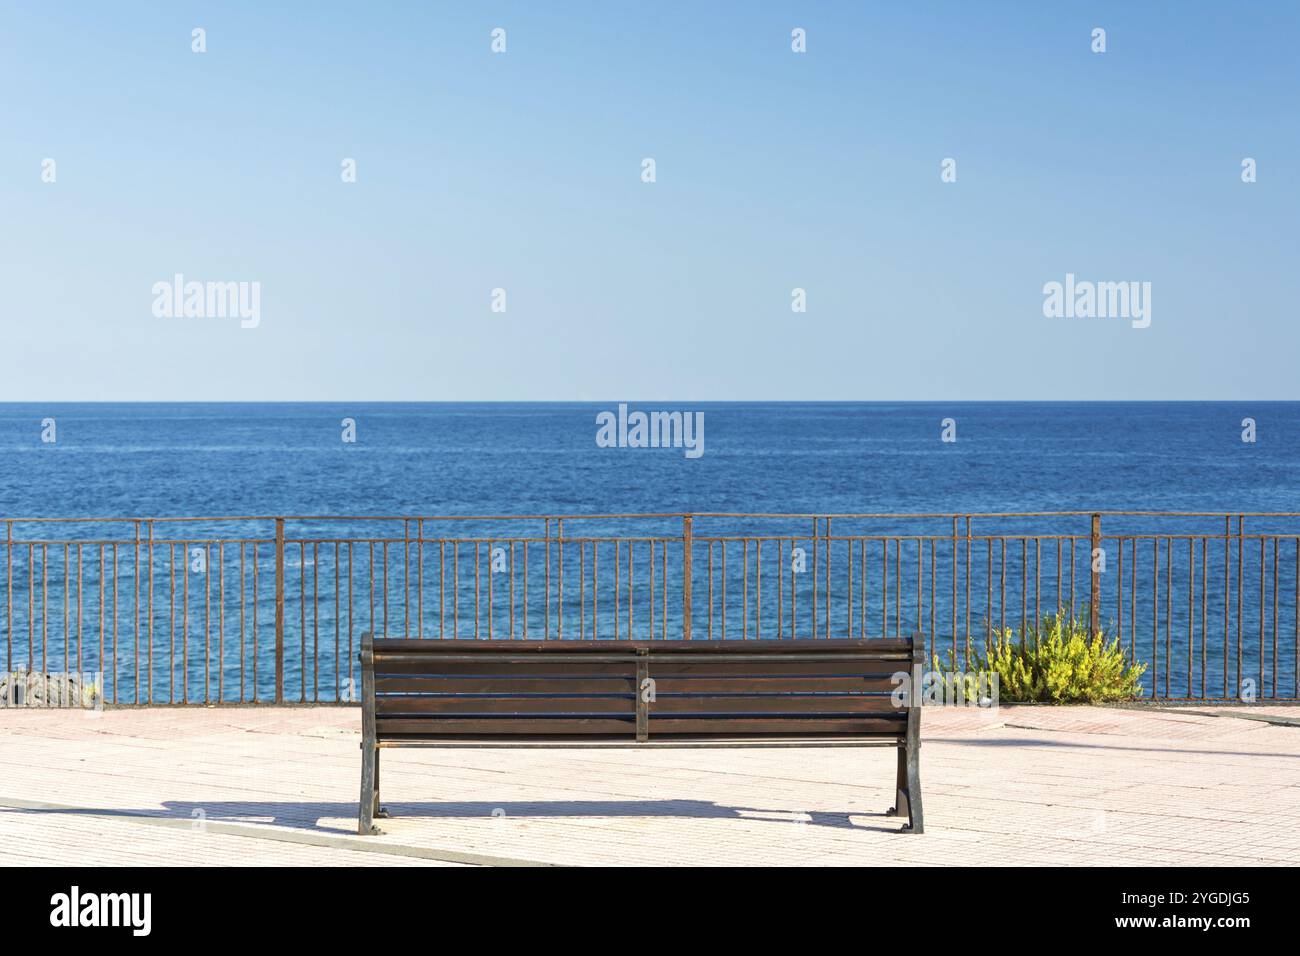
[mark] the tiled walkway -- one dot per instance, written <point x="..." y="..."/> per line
<point x="277" y="786"/>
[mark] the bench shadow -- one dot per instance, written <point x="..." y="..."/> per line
<point x="307" y="815"/>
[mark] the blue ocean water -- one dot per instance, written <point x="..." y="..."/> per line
<point x="179" y="459"/>
<point x="184" y="632"/>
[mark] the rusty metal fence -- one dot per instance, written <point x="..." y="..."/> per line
<point x="270" y="609"/>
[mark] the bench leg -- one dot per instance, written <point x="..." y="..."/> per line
<point x="910" y="758"/>
<point x="902" y="805"/>
<point x="381" y="812"/>
<point x="907" y="787"/>
<point x="369" y="791"/>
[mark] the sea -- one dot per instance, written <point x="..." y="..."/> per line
<point x="1203" y="463"/>
<point x="485" y="458"/>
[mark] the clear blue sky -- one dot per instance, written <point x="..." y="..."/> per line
<point x="775" y="171"/>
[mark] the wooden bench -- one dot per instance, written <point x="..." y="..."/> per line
<point x="528" y="693"/>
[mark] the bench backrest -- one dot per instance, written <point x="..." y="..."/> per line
<point x="637" y="690"/>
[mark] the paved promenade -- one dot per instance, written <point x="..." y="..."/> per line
<point x="1023" y="785"/>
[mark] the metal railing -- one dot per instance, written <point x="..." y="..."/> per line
<point x="270" y="609"/>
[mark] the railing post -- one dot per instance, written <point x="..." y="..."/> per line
<point x="9" y="604"/>
<point x="686" y="577"/>
<point x="279" y="610"/>
<point x="559" y="612"/>
<point x="135" y="611"/>
<point x="1094" y="596"/>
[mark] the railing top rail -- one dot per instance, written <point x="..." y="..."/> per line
<point x="159" y="519"/>
<point x="973" y="515"/>
<point x="292" y="517"/>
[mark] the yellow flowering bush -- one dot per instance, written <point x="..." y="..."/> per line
<point x="1057" y="661"/>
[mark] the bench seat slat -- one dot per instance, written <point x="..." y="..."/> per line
<point x="435" y="667"/>
<point x="524" y="684"/>
<point x="673" y="742"/>
<point x="795" y="726"/>
<point x="542" y="648"/>
<point x="754" y="704"/>
<point x="504" y="684"/>
<point x="762" y="683"/>
<point x="775" y="704"/>
<point x="881" y="670"/>
<point x="519" y="706"/>
<point x="394" y="727"/>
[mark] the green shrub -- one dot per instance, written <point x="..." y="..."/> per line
<point x="1057" y="661"/>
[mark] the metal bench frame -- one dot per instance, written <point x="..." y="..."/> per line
<point x="900" y="727"/>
